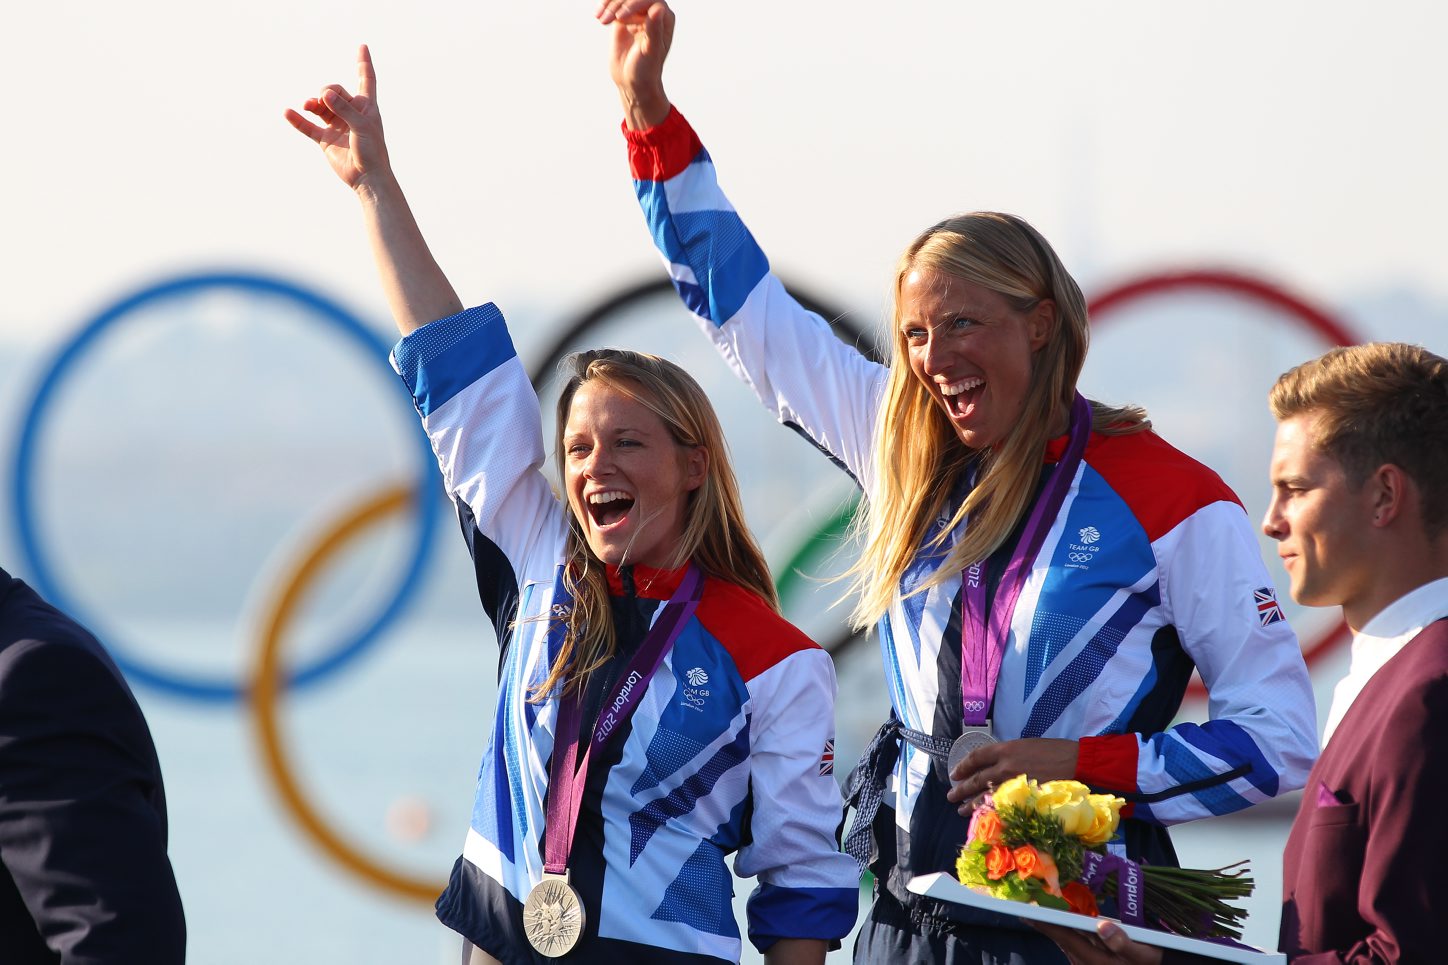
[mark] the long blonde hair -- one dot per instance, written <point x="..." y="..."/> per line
<point x="715" y="536"/>
<point x="920" y="461"/>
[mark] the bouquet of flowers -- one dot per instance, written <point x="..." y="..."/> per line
<point x="1045" y="845"/>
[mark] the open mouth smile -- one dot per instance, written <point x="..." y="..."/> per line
<point x="960" y="398"/>
<point x="608" y="507"/>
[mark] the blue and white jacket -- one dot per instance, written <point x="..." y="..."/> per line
<point x="731" y="750"/>
<point x="1151" y="568"/>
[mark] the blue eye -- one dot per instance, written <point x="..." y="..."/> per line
<point x="962" y="323"/>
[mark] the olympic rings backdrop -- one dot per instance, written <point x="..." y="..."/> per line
<point x="1314" y="319"/>
<point x="803" y="546"/>
<point x="52" y="583"/>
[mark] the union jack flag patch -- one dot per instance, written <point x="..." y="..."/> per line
<point x="1268" y="612"/>
<point x="827" y="759"/>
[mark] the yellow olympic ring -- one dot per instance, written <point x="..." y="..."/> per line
<point x="266" y="683"/>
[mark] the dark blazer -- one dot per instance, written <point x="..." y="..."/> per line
<point x="1363" y="875"/>
<point x="84" y="877"/>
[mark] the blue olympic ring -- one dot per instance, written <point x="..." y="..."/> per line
<point x="198" y="687"/>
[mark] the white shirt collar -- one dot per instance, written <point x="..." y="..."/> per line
<point x="1410" y="612"/>
<point x="1381" y="639"/>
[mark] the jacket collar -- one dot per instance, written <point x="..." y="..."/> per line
<point x="649" y="583"/>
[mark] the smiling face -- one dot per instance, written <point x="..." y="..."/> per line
<point x="1322" y="523"/>
<point x="971" y="351"/>
<point x="627" y="479"/>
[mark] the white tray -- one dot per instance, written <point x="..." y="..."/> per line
<point x="943" y="887"/>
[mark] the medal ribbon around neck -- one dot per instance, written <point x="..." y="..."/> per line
<point x="982" y="649"/>
<point x="565" y="782"/>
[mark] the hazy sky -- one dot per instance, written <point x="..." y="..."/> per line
<point x="1303" y="140"/>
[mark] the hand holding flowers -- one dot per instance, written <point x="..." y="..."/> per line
<point x="1045" y="844"/>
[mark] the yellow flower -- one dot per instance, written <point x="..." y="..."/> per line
<point x="1106" y="810"/>
<point x="1017" y="792"/>
<point x="1074" y="790"/>
<point x="1053" y="794"/>
<point x="1067" y="802"/>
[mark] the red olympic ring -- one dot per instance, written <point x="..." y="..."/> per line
<point x="1317" y="320"/>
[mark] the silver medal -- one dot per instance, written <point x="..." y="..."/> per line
<point x="972" y="737"/>
<point x="553" y="916"/>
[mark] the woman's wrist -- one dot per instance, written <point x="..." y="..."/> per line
<point x="377" y="188"/>
<point x="643" y="109"/>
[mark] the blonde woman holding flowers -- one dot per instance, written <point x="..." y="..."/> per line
<point x="1044" y="572"/>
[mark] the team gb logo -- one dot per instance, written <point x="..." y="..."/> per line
<point x="1080" y="555"/>
<point x="697" y="677"/>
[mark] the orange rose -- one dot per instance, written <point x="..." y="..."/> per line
<point x="998" y="862"/>
<point x="1028" y="860"/>
<point x="1038" y="864"/>
<point x="988" y="827"/>
<point x="1081" y="899"/>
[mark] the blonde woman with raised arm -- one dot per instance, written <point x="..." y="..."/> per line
<point x="1044" y="571"/>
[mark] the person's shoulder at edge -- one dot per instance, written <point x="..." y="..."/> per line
<point x="29" y="626"/>
<point x="1417" y="677"/>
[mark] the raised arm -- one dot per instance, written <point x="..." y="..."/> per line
<point x="463" y="372"/>
<point x="790" y="357"/>
<point x="351" y="138"/>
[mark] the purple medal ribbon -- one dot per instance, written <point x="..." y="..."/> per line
<point x="982" y="649"/>
<point x="1096" y="868"/>
<point x="565" y="781"/>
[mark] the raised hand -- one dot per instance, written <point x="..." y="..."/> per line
<point x="351" y="139"/>
<point x="417" y="290"/>
<point x="642" y="33"/>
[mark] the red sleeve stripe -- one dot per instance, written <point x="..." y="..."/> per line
<point x="1108" y="763"/>
<point x="664" y="150"/>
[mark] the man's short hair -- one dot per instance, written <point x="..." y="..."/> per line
<point x="1380" y="403"/>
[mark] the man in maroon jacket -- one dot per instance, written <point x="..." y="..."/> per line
<point x="1360" y="513"/>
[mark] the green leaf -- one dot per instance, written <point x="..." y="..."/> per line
<point x="1048" y="900"/>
